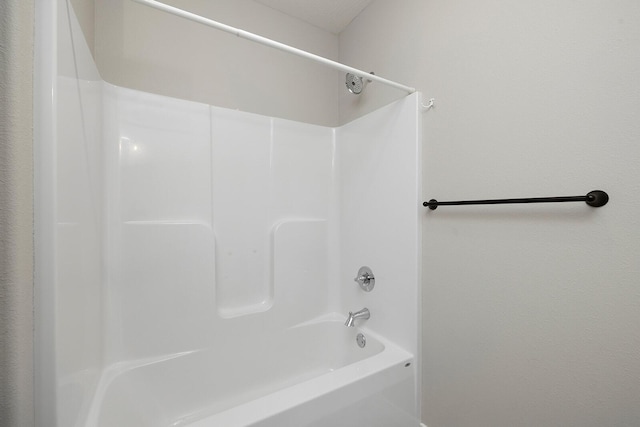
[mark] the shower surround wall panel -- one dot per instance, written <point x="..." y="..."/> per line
<point x="69" y="200"/>
<point x="162" y="244"/>
<point x="209" y="219"/>
<point x="241" y="188"/>
<point x="380" y="180"/>
<point x="254" y="158"/>
<point x="196" y="263"/>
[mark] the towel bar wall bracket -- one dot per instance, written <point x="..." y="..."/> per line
<point x="595" y="198"/>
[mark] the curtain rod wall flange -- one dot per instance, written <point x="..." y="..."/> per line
<point x="272" y="43"/>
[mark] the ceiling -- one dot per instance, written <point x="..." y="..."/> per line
<point x="330" y="15"/>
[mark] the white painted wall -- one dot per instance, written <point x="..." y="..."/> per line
<point x="194" y="62"/>
<point x="531" y="314"/>
<point x="16" y="213"/>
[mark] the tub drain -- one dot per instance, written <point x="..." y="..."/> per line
<point x="361" y="340"/>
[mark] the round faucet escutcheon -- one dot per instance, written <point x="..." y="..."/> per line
<point x="365" y="279"/>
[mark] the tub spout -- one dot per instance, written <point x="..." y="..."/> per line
<point x="362" y="314"/>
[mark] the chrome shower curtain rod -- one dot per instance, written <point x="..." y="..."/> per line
<point x="272" y="43"/>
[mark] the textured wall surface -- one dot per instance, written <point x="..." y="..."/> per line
<point x="531" y="313"/>
<point x="16" y="213"/>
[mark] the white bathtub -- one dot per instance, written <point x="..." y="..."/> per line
<point x="309" y="375"/>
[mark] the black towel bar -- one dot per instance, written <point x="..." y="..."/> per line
<point x="595" y="198"/>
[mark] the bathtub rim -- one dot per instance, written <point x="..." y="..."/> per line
<point x="272" y="404"/>
<point x="294" y="394"/>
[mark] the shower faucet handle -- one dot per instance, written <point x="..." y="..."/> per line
<point x="365" y="279"/>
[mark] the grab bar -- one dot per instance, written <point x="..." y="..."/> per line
<point x="595" y="198"/>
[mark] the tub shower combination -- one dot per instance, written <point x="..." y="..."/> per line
<point x="203" y="267"/>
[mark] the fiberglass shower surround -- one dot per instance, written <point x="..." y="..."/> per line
<point x="196" y="264"/>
